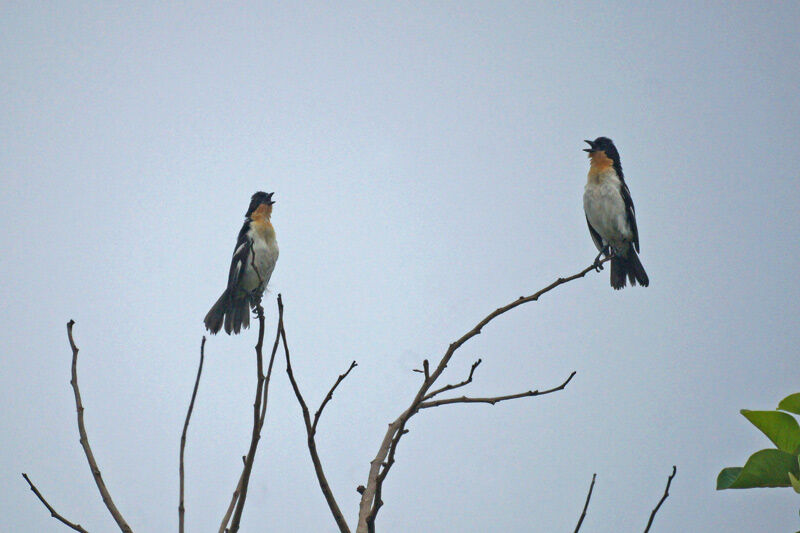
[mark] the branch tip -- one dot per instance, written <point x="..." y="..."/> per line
<point x="661" y="501"/>
<point x="84" y="439"/>
<point x="53" y="512"/>
<point x="586" y="505"/>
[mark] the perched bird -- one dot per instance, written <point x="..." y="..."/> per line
<point x="610" y="214"/>
<point x="251" y="267"/>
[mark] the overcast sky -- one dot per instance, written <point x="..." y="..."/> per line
<point x="427" y="166"/>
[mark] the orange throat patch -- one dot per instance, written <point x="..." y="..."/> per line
<point x="599" y="163"/>
<point x="260" y="221"/>
<point x="262" y="212"/>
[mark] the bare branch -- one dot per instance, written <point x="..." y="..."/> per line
<point x="269" y="367"/>
<point x="311" y="430"/>
<point x="664" y="497"/>
<point x="223" y="527"/>
<point x="464" y="399"/>
<point x="586" y="505"/>
<point x="181" y="508"/>
<point x="383" y="461"/>
<point x="400" y="430"/>
<point x="262" y="416"/>
<point x="101" y="486"/>
<point x="53" y="512"/>
<point x="329" y="396"/>
<point x="259" y="413"/>
<point x="457" y="385"/>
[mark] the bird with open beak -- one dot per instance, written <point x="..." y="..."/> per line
<point x="611" y="216"/>
<point x="251" y="267"/>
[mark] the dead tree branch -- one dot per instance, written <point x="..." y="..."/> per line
<point x="234" y="512"/>
<point x="379" y="467"/>
<point x="53" y="512"/>
<point x="329" y="396"/>
<point x="664" y="497"/>
<point x="181" y="508"/>
<point x="496" y="399"/>
<point x="457" y="385"/>
<point x="227" y="518"/>
<point x="101" y="486"/>
<point x="223" y="527"/>
<point x="311" y="429"/>
<point x="586" y="505"/>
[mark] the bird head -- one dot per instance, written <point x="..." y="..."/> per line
<point x="260" y="203"/>
<point x="602" y="152"/>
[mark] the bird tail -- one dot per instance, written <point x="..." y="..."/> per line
<point x="237" y="317"/>
<point x="216" y="314"/>
<point x="234" y="314"/>
<point x="628" y="266"/>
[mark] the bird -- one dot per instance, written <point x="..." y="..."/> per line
<point x="252" y="264"/>
<point x="611" y="216"/>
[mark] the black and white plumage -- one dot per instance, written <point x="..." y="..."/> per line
<point x="610" y="214"/>
<point x="251" y="267"/>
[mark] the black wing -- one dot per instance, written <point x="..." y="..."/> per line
<point x="596" y="238"/>
<point x="244" y="247"/>
<point x="630" y="212"/>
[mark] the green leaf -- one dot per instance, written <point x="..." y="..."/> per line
<point x="791" y="403"/>
<point x="780" y="428"/>
<point x="766" y="468"/>
<point x="727" y="476"/>
<point x="795" y="483"/>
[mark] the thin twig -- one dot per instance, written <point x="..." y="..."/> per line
<point x="101" y="486"/>
<point x="258" y="407"/>
<point x="262" y="416"/>
<point x="223" y="527"/>
<point x="664" y="497"/>
<point x="380" y="465"/>
<point x="311" y="430"/>
<point x="181" y="508"/>
<point x="329" y="396"/>
<point x="457" y="385"/>
<point x="269" y="367"/>
<point x="53" y="512"/>
<point x="586" y="505"/>
<point x="496" y="399"/>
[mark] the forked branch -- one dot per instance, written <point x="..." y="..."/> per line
<point x="496" y="399"/>
<point x="311" y="429"/>
<point x="371" y="500"/>
<point x="329" y="396"/>
<point x="236" y="507"/>
<point x="457" y="385"/>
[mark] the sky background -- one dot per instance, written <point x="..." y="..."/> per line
<point x="427" y="166"/>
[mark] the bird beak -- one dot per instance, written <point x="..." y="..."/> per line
<point x="591" y="144"/>
<point x="270" y="201"/>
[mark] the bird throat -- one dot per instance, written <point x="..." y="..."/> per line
<point x="600" y="162"/>
<point x="260" y="221"/>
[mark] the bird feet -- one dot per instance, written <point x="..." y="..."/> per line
<point x="598" y="266"/>
<point x="258" y="310"/>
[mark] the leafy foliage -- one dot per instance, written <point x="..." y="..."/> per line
<point x="779" y="467"/>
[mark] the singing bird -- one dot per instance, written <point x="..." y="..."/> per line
<point x="611" y="216"/>
<point x="251" y="267"/>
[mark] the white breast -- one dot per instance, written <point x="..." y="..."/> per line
<point x="605" y="210"/>
<point x="262" y="263"/>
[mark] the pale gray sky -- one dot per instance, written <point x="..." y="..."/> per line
<point x="427" y="166"/>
